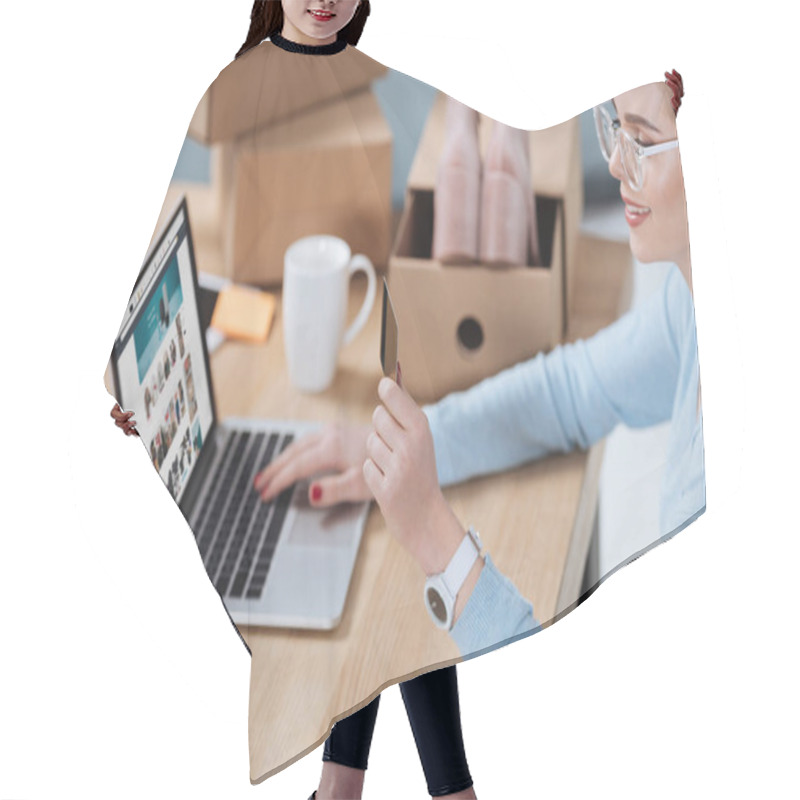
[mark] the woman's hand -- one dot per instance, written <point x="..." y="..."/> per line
<point x="339" y="447"/>
<point x="124" y="420"/>
<point x="401" y="473"/>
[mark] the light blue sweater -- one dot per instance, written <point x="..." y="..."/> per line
<point x="641" y="370"/>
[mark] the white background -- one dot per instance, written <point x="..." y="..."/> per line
<point x="677" y="678"/>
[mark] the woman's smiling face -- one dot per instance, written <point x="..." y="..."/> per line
<point x="656" y="213"/>
<point x="316" y="21"/>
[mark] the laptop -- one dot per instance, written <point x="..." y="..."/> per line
<point x="281" y="563"/>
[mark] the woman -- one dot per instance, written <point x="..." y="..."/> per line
<point x="641" y="370"/>
<point x="320" y="28"/>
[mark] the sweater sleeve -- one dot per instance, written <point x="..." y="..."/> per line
<point x="494" y="613"/>
<point x="568" y="398"/>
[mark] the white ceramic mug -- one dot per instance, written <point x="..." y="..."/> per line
<point x="316" y="282"/>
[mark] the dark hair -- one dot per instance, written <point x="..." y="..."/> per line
<point x="675" y="83"/>
<point x="266" y="19"/>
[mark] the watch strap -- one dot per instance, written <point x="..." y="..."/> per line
<point x="461" y="563"/>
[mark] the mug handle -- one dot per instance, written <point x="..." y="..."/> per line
<point x="360" y="263"/>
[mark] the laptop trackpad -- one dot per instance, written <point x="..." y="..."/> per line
<point x="322" y="527"/>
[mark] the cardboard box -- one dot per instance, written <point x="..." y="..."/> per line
<point x="268" y="84"/>
<point x="556" y="172"/>
<point x="458" y="325"/>
<point x="327" y="170"/>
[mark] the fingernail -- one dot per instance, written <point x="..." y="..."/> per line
<point x="316" y="492"/>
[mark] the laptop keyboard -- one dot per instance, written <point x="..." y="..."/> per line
<point x="237" y="532"/>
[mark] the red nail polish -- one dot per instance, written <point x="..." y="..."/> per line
<point x="316" y="492"/>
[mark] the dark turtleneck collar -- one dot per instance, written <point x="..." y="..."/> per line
<point x="309" y="49"/>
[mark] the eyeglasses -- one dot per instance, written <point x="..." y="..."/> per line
<point x="610" y="134"/>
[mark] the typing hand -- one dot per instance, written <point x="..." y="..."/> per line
<point x="337" y="447"/>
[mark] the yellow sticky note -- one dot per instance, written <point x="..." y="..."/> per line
<point x="244" y="313"/>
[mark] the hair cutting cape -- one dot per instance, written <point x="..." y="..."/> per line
<point x="536" y="379"/>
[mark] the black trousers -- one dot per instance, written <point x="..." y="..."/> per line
<point x="431" y="702"/>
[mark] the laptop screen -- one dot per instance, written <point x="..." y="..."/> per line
<point x="160" y="358"/>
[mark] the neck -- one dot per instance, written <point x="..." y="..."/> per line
<point x="297" y="36"/>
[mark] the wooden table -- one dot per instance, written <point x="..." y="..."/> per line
<point x="536" y="521"/>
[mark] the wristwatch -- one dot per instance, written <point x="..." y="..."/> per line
<point x="442" y="589"/>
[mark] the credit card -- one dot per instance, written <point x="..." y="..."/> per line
<point x="388" y="336"/>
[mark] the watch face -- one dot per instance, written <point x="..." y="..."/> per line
<point x="436" y="605"/>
